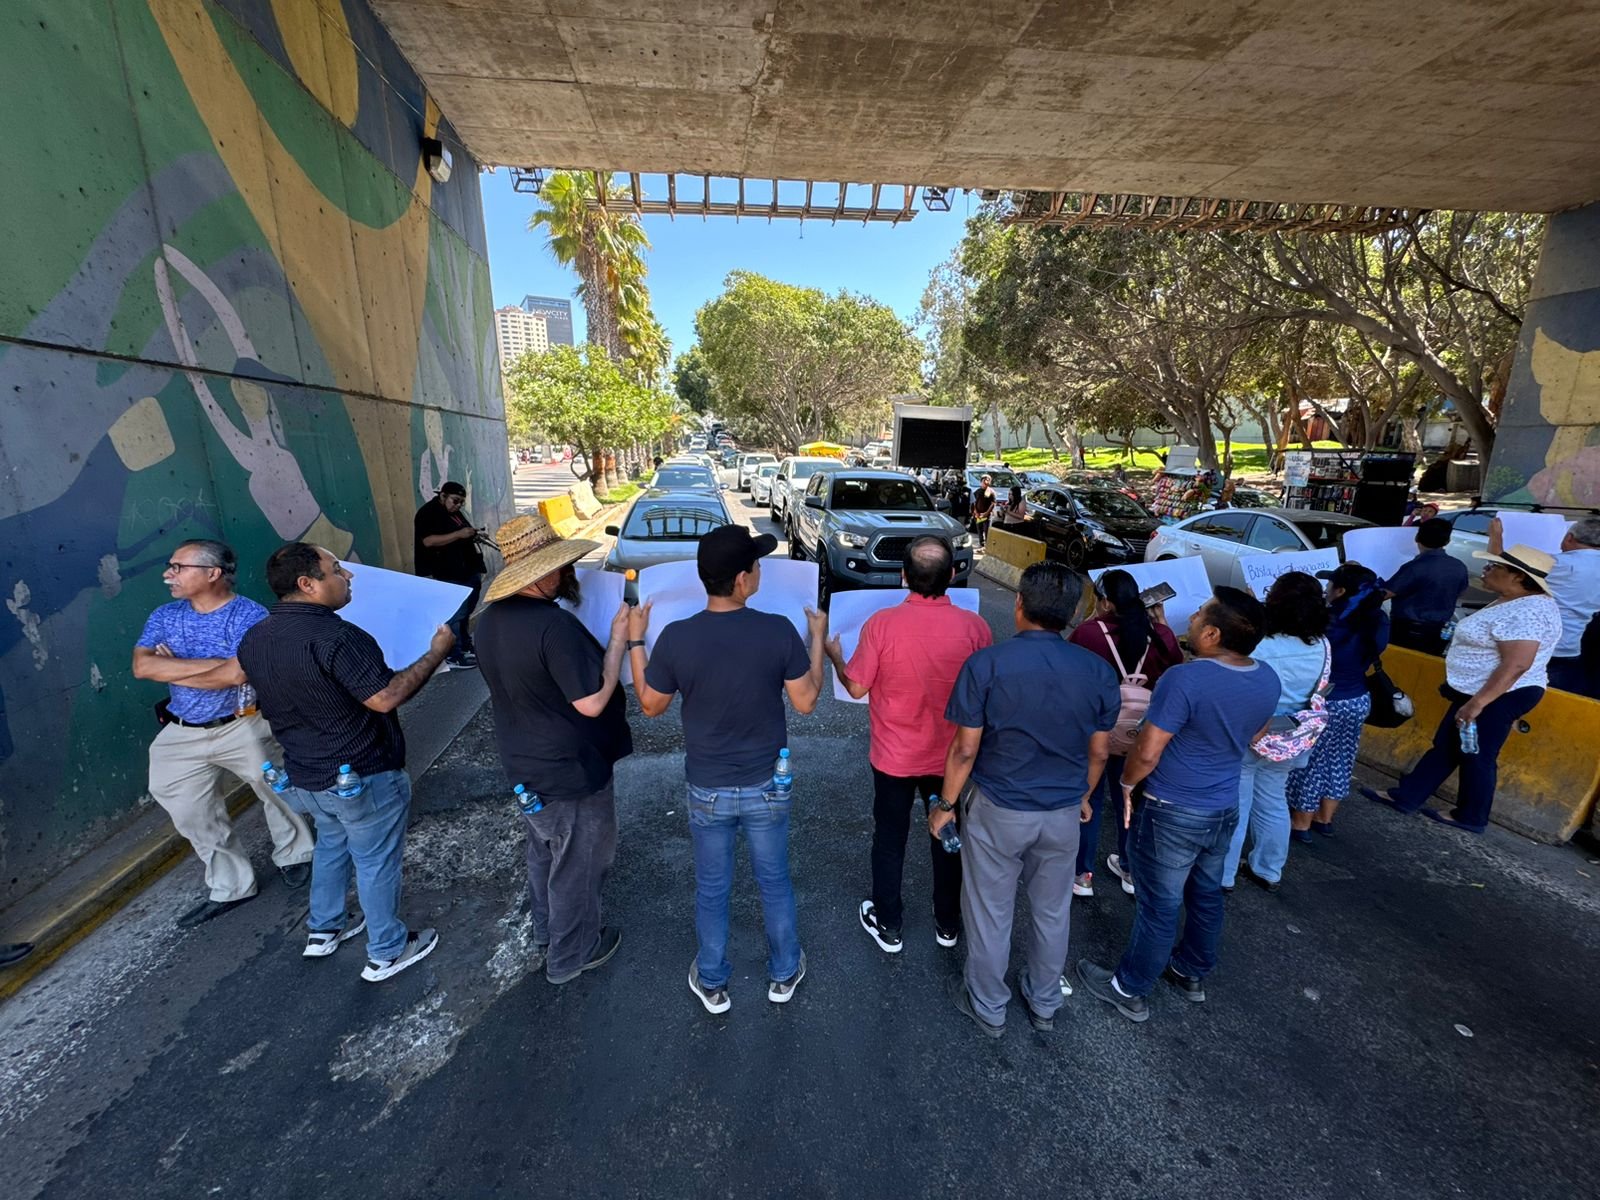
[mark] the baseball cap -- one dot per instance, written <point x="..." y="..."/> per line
<point x="1350" y="576"/>
<point x="451" y="488"/>
<point x="730" y="549"/>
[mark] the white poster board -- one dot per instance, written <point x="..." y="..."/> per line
<point x="674" y="592"/>
<point x="400" y="611"/>
<point x="599" y="597"/>
<point x="848" y="612"/>
<point x="1260" y="570"/>
<point x="1384" y="549"/>
<point x="1187" y="577"/>
<point x="1542" y="531"/>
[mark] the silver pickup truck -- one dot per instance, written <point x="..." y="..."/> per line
<point x="856" y="526"/>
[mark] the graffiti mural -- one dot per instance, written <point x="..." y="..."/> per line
<point x="1547" y="448"/>
<point x="234" y="305"/>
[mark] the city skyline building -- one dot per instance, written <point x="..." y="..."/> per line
<point x="518" y="331"/>
<point x="557" y="314"/>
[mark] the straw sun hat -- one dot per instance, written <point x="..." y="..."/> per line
<point x="1533" y="563"/>
<point x="531" y="549"/>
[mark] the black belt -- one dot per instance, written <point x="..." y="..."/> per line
<point x="220" y="721"/>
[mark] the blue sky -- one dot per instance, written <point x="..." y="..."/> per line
<point x="689" y="257"/>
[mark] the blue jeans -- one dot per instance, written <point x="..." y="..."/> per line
<point x="715" y="817"/>
<point x="1178" y="854"/>
<point x="368" y="830"/>
<point x="1264" y="814"/>
<point x="1107" y="793"/>
<point x="1477" y="773"/>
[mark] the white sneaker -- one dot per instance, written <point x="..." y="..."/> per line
<point x="1116" y="867"/>
<point x="1083" y="885"/>
<point x="781" y="991"/>
<point x="1066" y="986"/>
<point x="418" y="946"/>
<point x="322" y="942"/>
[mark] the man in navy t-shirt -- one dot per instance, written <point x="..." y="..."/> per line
<point x="734" y="666"/>
<point x="1202" y="718"/>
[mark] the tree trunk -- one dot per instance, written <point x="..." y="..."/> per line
<point x="1050" y="437"/>
<point x="1027" y="435"/>
<point x="1074" y="437"/>
<point x="994" y="415"/>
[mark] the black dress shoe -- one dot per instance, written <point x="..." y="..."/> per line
<point x="1266" y="885"/>
<point x="1194" y="990"/>
<point x="207" y="909"/>
<point x="14" y="952"/>
<point x="296" y="875"/>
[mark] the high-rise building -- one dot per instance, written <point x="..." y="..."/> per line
<point x="519" y="331"/>
<point x="557" y="316"/>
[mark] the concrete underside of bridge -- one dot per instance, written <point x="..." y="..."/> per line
<point x="1470" y="104"/>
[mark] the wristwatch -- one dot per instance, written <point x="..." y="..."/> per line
<point x="943" y="805"/>
<point x="632" y="644"/>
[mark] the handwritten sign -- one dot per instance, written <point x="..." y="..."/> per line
<point x="848" y="612"/>
<point x="1187" y="577"/>
<point x="1259" y="570"/>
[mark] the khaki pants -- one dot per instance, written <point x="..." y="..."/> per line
<point x="188" y="769"/>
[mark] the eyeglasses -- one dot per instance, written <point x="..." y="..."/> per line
<point x="177" y="566"/>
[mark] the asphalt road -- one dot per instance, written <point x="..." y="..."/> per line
<point x="1411" y="1016"/>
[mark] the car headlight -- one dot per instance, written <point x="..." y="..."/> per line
<point x="962" y="541"/>
<point x="1107" y="539"/>
<point x="850" y="541"/>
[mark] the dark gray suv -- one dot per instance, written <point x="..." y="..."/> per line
<point x="856" y="525"/>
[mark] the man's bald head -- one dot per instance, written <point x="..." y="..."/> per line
<point x="928" y="565"/>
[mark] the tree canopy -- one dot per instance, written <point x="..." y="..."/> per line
<point x="578" y="395"/>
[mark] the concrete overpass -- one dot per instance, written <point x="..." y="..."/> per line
<point x="1469" y="104"/>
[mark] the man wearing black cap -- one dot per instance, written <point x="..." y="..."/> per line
<point x="446" y="549"/>
<point x="733" y="665"/>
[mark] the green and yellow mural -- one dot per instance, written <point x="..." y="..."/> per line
<point x="1547" y="447"/>
<point x="233" y="305"/>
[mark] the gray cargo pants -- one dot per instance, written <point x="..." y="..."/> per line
<point x="571" y="846"/>
<point x="1001" y="846"/>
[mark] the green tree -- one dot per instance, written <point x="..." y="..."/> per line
<point x="792" y="364"/>
<point x="691" y="379"/>
<point x="604" y="246"/>
<point x="578" y="395"/>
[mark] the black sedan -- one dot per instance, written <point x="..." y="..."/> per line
<point x="1088" y="527"/>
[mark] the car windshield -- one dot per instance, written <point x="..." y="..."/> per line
<point x="1103" y="502"/>
<point x="678" y="519"/>
<point x="901" y="494"/>
<point x="998" y="479"/>
<point x="683" y="477"/>
<point x="805" y="469"/>
<point x="1324" y="535"/>
<point x="767" y="470"/>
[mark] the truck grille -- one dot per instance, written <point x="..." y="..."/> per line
<point x="891" y="549"/>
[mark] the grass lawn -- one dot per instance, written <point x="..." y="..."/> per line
<point x="626" y="492"/>
<point x="1248" y="457"/>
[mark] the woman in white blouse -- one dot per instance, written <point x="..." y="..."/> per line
<point x="1494" y="675"/>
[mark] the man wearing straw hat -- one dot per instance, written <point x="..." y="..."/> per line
<point x="561" y="724"/>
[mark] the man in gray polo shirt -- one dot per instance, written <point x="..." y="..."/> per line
<point x="1032" y="716"/>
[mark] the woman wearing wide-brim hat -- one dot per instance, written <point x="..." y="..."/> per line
<point x="1495" y="672"/>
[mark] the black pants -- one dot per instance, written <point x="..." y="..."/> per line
<point x="893" y="802"/>
<point x="1476" y="774"/>
<point x="1417" y="635"/>
<point x="461" y="623"/>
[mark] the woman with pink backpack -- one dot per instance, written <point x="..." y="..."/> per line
<point x="1137" y="643"/>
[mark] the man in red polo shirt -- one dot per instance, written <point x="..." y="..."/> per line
<point x="906" y="664"/>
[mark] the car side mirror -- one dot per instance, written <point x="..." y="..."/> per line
<point x="612" y="531"/>
<point x="941" y="505"/>
<point x="813" y="501"/>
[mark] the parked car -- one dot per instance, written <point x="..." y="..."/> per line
<point x="761" y="483"/>
<point x="1000" y="478"/>
<point x="791" y="479"/>
<point x="1036" y="478"/>
<point x="748" y="465"/>
<point x="663" y="525"/>
<point x="684" y="475"/>
<point x="1469" y="532"/>
<point x="1223" y="537"/>
<point x="1088" y="527"/>
<point x="1100" y="479"/>
<point x="882" y="462"/>
<point x="857" y="524"/>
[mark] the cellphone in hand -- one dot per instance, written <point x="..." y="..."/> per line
<point x="1159" y="594"/>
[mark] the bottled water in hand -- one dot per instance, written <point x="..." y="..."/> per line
<point x="949" y="838"/>
<point x="1469" y="738"/>
<point x="783" y="774"/>
<point x="347" y="784"/>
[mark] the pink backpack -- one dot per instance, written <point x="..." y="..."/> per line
<point x="1135" y="695"/>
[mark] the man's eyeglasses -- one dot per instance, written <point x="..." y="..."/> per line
<point x="177" y="566"/>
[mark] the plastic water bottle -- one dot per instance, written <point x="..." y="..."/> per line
<point x="278" y="777"/>
<point x="348" y="783"/>
<point x="528" y="802"/>
<point x="949" y="838"/>
<point x="783" y="774"/>
<point x="1469" y="738"/>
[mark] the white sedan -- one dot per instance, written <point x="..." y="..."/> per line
<point x="761" y="483"/>
<point x="1221" y="538"/>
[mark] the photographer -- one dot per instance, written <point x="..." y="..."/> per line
<point x="446" y="548"/>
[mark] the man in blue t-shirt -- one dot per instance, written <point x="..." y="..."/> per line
<point x="1202" y="718"/>
<point x="209" y="730"/>
<point x="734" y="665"/>
<point x="1032" y="718"/>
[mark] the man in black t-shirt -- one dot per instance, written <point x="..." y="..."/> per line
<point x="734" y="665"/>
<point x="444" y="541"/>
<point x="560" y="721"/>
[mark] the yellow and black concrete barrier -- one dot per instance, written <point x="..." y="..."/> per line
<point x="1008" y="555"/>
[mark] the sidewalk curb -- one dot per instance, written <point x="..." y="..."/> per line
<point x="64" y="910"/>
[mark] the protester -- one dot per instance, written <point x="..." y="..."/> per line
<point x="959" y="495"/>
<point x="1136" y="641"/>
<point x="1023" y="772"/>
<point x="1295" y="648"/>
<point x="1496" y="670"/>
<point x="1358" y="633"/>
<point x="561" y="724"/>
<point x="1013" y="511"/>
<point x="211" y="730"/>
<point x="1202" y="718"/>
<point x="1574" y="584"/>
<point x="983" y="502"/>
<point x="734" y="665"/>
<point x="905" y="664"/>
<point x="331" y="698"/>
<point x="1421" y="514"/>
<point x="446" y="548"/>
<point x="12" y="953"/>
<point x="1423" y="592"/>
